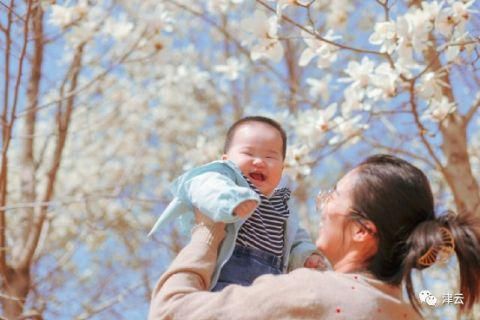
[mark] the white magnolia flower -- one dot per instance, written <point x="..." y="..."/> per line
<point x="384" y="35"/>
<point x="231" y="69"/>
<point x="118" y="30"/>
<point x="311" y="122"/>
<point x="325" y="53"/>
<point x="461" y="11"/>
<point x="359" y="73"/>
<point x="63" y="16"/>
<point x="405" y="46"/>
<point x="221" y="6"/>
<point x="438" y="110"/>
<point x="265" y="31"/>
<point x="352" y="104"/>
<point x="347" y="129"/>
<point x="444" y="23"/>
<point x="384" y="82"/>
<point x="417" y="29"/>
<point x="297" y="160"/>
<point x="319" y="87"/>
<point x="430" y="85"/>
<point x="431" y="9"/>
<point x="455" y="16"/>
<point x="323" y="121"/>
<point x="338" y="14"/>
<point x="354" y="101"/>
<point x="157" y="18"/>
<point x="282" y="4"/>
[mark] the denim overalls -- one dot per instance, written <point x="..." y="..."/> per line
<point x="247" y="264"/>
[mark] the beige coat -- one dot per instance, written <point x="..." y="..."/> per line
<point x="302" y="294"/>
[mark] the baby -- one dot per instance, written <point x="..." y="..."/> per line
<point x="263" y="236"/>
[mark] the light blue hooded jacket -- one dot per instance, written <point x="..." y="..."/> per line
<point x="216" y="189"/>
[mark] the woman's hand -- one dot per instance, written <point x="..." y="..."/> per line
<point x="201" y="219"/>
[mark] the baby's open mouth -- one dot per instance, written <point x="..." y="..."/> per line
<point x="257" y="176"/>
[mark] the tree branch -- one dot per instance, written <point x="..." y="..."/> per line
<point x="15" y="98"/>
<point x="333" y="43"/>
<point x="27" y="179"/>
<point x="237" y="44"/>
<point x="6" y="131"/>
<point x="63" y="122"/>
<point x="87" y="85"/>
<point x="472" y="111"/>
<point x="421" y="128"/>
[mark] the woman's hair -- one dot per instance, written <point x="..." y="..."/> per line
<point x="397" y="198"/>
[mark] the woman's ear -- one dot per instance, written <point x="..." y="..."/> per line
<point x="364" y="231"/>
<point x="366" y="237"/>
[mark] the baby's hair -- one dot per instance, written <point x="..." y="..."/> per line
<point x="268" y="121"/>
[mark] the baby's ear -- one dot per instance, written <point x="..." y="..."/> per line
<point x="224" y="157"/>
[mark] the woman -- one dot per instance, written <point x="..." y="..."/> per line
<point x="378" y="224"/>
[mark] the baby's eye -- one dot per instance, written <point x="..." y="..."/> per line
<point x="272" y="157"/>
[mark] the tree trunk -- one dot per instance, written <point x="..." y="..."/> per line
<point x="458" y="171"/>
<point x="17" y="287"/>
<point x="16" y="282"/>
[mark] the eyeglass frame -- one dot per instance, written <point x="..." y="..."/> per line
<point x="325" y="195"/>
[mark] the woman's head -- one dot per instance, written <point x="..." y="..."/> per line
<point x="346" y="235"/>
<point x="388" y="202"/>
<point x="396" y="197"/>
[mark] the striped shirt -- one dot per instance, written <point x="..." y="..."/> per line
<point x="264" y="229"/>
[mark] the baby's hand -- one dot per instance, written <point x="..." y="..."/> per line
<point x="244" y="208"/>
<point x="316" y="261"/>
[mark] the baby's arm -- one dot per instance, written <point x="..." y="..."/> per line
<point x="317" y="261"/>
<point x="219" y="197"/>
<point x="305" y="254"/>
<point x="301" y="249"/>
<point x="244" y="209"/>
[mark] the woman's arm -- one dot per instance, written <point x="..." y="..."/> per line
<point x="181" y="293"/>
<point x="191" y="271"/>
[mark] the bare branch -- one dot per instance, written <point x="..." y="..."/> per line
<point x="421" y="128"/>
<point x="6" y="131"/>
<point x="86" y="198"/>
<point x="27" y="179"/>
<point x="230" y="37"/>
<point x="471" y="112"/>
<point x="10" y="9"/>
<point x="13" y="110"/>
<point x="63" y="122"/>
<point x="87" y="85"/>
<point x="386" y="9"/>
<point x="107" y="304"/>
<point x="333" y="43"/>
<point x="393" y="150"/>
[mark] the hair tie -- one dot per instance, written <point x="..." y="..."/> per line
<point x="439" y="253"/>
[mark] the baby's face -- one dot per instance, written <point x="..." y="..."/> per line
<point x="256" y="148"/>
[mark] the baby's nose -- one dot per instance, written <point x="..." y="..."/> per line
<point x="258" y="161"/>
